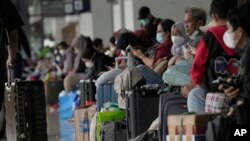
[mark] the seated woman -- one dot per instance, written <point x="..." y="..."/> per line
<point x="179" y="38"/>
<point x="163" y="51"/>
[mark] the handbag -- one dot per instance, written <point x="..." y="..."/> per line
<point x="216" y="103"/>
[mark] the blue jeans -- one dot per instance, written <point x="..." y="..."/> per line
<point x="150" y="76"/>
<point x="196" y="100"/>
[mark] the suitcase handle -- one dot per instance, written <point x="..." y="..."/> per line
<point x="10" y="75"/>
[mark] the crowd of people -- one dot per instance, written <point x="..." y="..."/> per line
<point x="206" y="53"/>
<point x="214" y="56"/>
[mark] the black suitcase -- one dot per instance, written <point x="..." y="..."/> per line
<point x="87" y="92"/>
<point x="25" y="111"/>
<point x="142" y="105"/>
<point x="170" y="104"/>
<point x="114" y="131"/>
<point x="53" y="89"/>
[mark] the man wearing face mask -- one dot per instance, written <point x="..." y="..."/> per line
<point x="148" y="21"/>
<point x="213" y="58"/>
<point x="194" y="18"/>
<point x="238" y="37"/>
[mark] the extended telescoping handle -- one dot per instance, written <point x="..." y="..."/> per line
<point x="10" y="69"/>
<point x="10" y="75"/>
<point x="130" y="62"/>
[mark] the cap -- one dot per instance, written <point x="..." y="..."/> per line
<point x="143" y="12"/>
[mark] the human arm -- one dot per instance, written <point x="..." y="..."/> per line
<point x="200" y="61"/>
<point x="13" y="39"/>
<point x="146" y="60"/>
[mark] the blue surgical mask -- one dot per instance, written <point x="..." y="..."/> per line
<point x="159" y="37"/>
<point x="145" y="21"/>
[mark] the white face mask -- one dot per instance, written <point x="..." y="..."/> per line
<point x="228" y="39"/>
<point x="62" y="52"/>
<point x="58" y="58"/>
<point x="89" y="64"/>
<point x="193" y="36"/>
<point x="177" y="40"/>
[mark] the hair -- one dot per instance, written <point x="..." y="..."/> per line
<point x="167" y="25"/>
<point x="88" y="51"/>
<point x="221" y="7"/>
<point x="240" y="18"/>
<point x="198" y="14"/>
<point x="63" y="43"/>
<point x="97" y="42"/>
<point x="112" y="39"/>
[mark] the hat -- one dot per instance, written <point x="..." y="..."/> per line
<point x="143" y="12"/>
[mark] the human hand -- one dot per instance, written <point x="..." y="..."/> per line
<point x="30" y="62"/>
<point x="186" y="89"/>
<point x="230" y="91"/>
<point x="137" y="52"/>
<point x="10" y="62"/>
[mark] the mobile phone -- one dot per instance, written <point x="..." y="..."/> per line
<point x="226" y="84"/>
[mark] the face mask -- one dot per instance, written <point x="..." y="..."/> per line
<point x="89" y="64"/>
<point x="192" y="37"/>
<point x="62" y="52"/>
<point x="228" y="39"/>
<point x="159" y="37"/>
<point x="177" y="40"/>
<point x="58" y="58"/>
<point x="145" y="21"/>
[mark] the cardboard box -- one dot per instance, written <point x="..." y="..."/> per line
<point x="188" y="138"/>
<point x="83" y="117"/>
<point x="188" y="125"/>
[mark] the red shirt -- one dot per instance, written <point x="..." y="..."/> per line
<point x="163" y="50"/>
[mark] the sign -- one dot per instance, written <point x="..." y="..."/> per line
<point x="77" y="6"/>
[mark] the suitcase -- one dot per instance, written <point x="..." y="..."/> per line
<point x="105" y="93"/>
<point x="142" y="106"/>
<point x="114" y="131"/>
<point x="25" y="111"/>
<point x="170" y="104"/>
<point x="53" y="90"/>
<point x="87" y="92"/>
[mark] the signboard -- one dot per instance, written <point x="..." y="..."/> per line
<point x="76" y="6"/>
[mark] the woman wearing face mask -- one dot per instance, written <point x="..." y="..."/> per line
<point x="163" y="51"/>
<point x="238" y="37"/>
<point x="94" y="61"/>
<point x="179" y="38"/>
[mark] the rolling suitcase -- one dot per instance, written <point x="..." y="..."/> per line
<point x="87" y="92"/>
<point x="114" y="131"/>
<point x="53" y="90"/>
<point x="105" y="93"/>
<point x="170" y="104"/>
<point x="25" y="110"/>
<point x="142" y="106"/>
